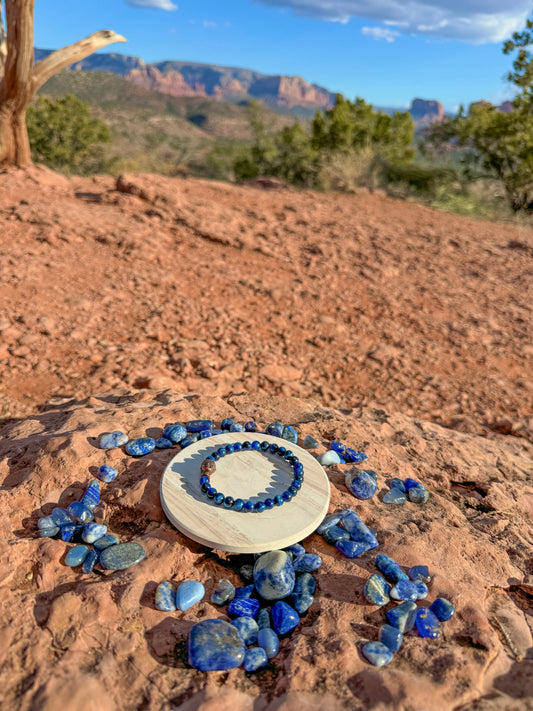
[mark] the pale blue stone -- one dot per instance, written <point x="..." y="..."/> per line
<point x="329" y="521"/>
<point x="215" y="645"/>
<point x="427" y="623"/>
<point x="420" y="572"/>
<point x="275" y="429"/>
<point x="47" y="527"/>
<point x="243" y="592"/>
<point x="247" y="628"/>
<point x="442" y="609"/>
<point x="305" y="585"/>
<point x="199" y="425"/>
<point x="421" y="589"/>
<point x="165" y="597"/>
<point x="334" y="534"/>
<point x="377" y="590"/>
<point x="327" y="459"/>
<point x="80" y="512"/>
<point x="274" y="575"/>
<point x="91" y="498"/>
<point x="243" y="607"/>
<point x="307" y="563"/>
<point x="122" y="555"/>
<point x="358" y="531"/>
<point x="237" y="427"/>
<point x="361" y="483"/>
<point x="224" y="592"/>
<point x="398" y="484"/>
<point x="93" y="531"/>
<point x="76" y="556"/>
<point x="60" y="517"/>
<point x="394" y="496"/>
<point x="301" y="603"/>
<point x="139" y="447"/>
<point x="404" y="590"/>
<point x="290" y="434"/>
<point x="390" y="568"/>
<point x="403" y="616"/>
<point x="163" y="443"/>
<point x="107" y="473"/>
<point x="391" y="637"/>
<point x="269" y="641"/>
<point x="310" y="442"/>
<point x="377" y="653"/>
<point x="263" y="618"/>
<point x="350" y="549"/>
<point x="296" y="549"/>
<point x="188" y="594"/>
<point x="106" y="541"/>
<point x="175" y="433"/>
<point x="254" y="659"/>
<point x="284" y="617"/>
<point x="90" y="561"/>
<point x="418" y="494"/>
<point x="113" y="439"/>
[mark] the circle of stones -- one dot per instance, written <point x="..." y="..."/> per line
<point x="208" y="468"/>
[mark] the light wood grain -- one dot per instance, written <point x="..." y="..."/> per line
<point x="246" y="475"/>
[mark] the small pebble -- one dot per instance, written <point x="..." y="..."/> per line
<point x="327" y="459"/>
<point x="122" y="556"/>
<point x="47" y="527"/>
<point x="113" y="439"/>
<point x="390" y="568"/>
<point x="237" y="427"/>
<point x="420" y="572"/>
<point x="310" y="442"/>
<point x="398" y="484"/>
<point x="350" y="455"/>
<point x="403" y="616"/>
<point x="215" y="645"/>
<point x="68" y="531"/>
<point x="350" y="549"/>
<point x="263" y="618"/>
<point x="305" y="585"/>
<point x="269" y="641"/>
<point x="139" y="447"/>
<point x="199" y="425"/>
<point x="442" y="609"/>
<point x="246" y="572"/>
<point x="290" y="434"/>
<point x="274" y="575"/>
<point x="358" y="531"/>
<point x="190" y="439"/>
<point x="410" y="483"/>
<point x="377" y="590"/>
<point x="404" y="590"/>
<point x="361" y="483"/>
<point x="284" y="617"/>
<point x="338" y="447"/>
<point x="91" y="498"/>
<point x="60" y="517"/>
<point x="421" y="589"/>
<point x="163" y="443"/>
<point x="394" y="496"/>
<point x="301" y="603"/>
<point x="377" y="653"/>
<point x="427" y="623"/>
<point x="188" y="594"/>
<point x="247" y="627"/>
<point x="107" y="473"/>
<point x="329" y="521"/>
<point x="91" y="559"/>
<point x="334" y="534"/>
<point x="76" y="556"/>
<point x="391" y="637"/>
<point x="275" y="429"/>
<point x="79" y="512"/>
<point x="307" y="563"/>
<point x="165" y="597"/>
<point x="296" y="549"/>
<point x="418" y="494"/>
<point x="226" y="423"/>
<point x="175" y="433"/>
<point x="106" y="541"/>
<point x="250" y="426"/>
<point x="243" y="592"/>
<point x="224" y="592"/>
<point x="93" y="531"/>
<point x="254" y="659"/>
<point x="243" y="607"/>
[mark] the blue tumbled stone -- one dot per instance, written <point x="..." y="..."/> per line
<point x="404" y="590"/>
<point x="254" y="659"/>
<point x="409" y="483"/>
<point x="427" y="623"/>
<point x="247" y="628"/>
<point x="284" y="617"/>
<point x="329" y="521"/>
<point x="237" y="427"/>
<point x="163" y="443"/>
<point x="301" y="603"/>
<point x="361" y="483"/>
<point x="377" y="590"/>
<point x="79" y="512"/>
<point x="358" y="531"/>
<point x="215" y="645"/>
<point x="93" y="531"/>
<point x="327" y="459"/>
<point x="420" y="572"/>
<point x="226" y="423"/>
<point x="274" y="575"/>
<point x="165" y="597"/>
<point x="91" y="498"/>
<point x="418" y="494"/>
<point x="269" y="641"/>
<point x="106" y="541"/>
<point x="307" y="563"/>
<point x="421" y="589"/>
<point x="76" y="556"/>
<point x="90" y="561"/>
<point x="442" y="609"/>
<point x="338" y="447"/>
<point x="394" y="496"/>
<point x="68" y="531"/>
<point x="390" y="568"/>
<point x="290" y="434"/>
<point x="334" y="534"/>
<point x="60" y="517"/>
<point x="106" y="473"/>
<point x="397" y="484"/>
<point x="391" y="637"/>
<point x="377" y="653"/>
<point x="402" y="616"/>
<point x="350" y="549"/>
<point x="245" y="591"/>
<point x="243" y="607"/>
<point x="296" y="549"/>
<point x="350" y="455"/>
<point x="275" y="429"/>
<point x="139" y="447"/>
<point x="199" y="425"/>
<point x="310" y="442"/>
<point x="188" y="594"/>
<point x="250" y="426"/>
<point x="175" y="433"/>
<point x="122" y="555"/>
<point x="263" y="618"/>
<point x="47" y="527"/>
<point x="224" y="592"/>
<point x="305" y="585"/>
<point x="113" y="439"/>
<point x="204" y="434"/>
<point x="190" y="439"/>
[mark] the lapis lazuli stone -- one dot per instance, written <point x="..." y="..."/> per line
<point x="165" y="597"/>
<point x="398" y="484"/>
<point x="163" y="443"/>
<point x="442" y="609"/>
<point x="79" y="512"/>
<point x="358" y="531"/>
<point x="91" y="498"/>
<point x="139" y="447"/>
<point x="248" y="628"/>
<point x="421" y="589"/>
<point x="68" y="531"/>
<point x="204" y="434"/>
<point x="275" y="429"/>
<point x="76" y="556"/>
<point x="394" y="496"/>
<point x="305" y="585"/>
<point x="90" y="561"/>
<point x="244" y="592"/>
<point x="377" y="590"/>
<point x="420" y="572"/>
<point x="290" y="434"/>
<point x="284" y="617"/>
<point x="327" y="459"/>
<point x="404" y="590"/>
<point x="329" y="521"/>
<point x="269" y="641"/>
<point x="237" y="427"/>
<point x="391" y="637"/>
<point x="350" y="455"/>
<point x="409" y="483"/>
<point x="427" y="623"/>
<point x="113" y="439"/>
<point x="224" y="592"/>
<point x="390" y="568"/>
<point x="403" y="616"/>
<point x="254" y="659"/>
<point x="350" y="549"/>
<point x="48" y="531"/>
<point x="274" y="575"/>
<point x="301" y="603"/>
<point x="307" y="563"/>
<point x="310" y="442"/>
<point x="418" y="494"/>
<point x="377" y="653"/>
<point x="338" y="447"/>
<point x="296" y="549"/>
<point x="199" y="425"/>
<point x="215" y="645"/>
<point x="263" y="618"/>
<point x="122" y="555"/>
<point x="243" y="607"/>
<point x="60" y="517"/>
<point x="93" y="531"/>
<point x="106" y="541"/>
<point x="190" y="439"/>
<point x="226" y="423"/>
<point x="188" y="594"/>
<point x="360" y="483"/>
<point x="334" y="534"/>
<point x="250" y="426"/>
<point x="107" y="473"/>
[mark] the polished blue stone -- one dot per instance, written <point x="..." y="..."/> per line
<point x="226" y="423"/>
<point x="358" y="531"/>
<point x="350" y="455"/>
<point x="329" y="521"/>
<point x="404" y="590"/>
<point x="307" y="563"/>
<point x="334" y="534"/>
<point x="204" y="434"/>
<point x="139" y="447"/>
<point x="274" y="575"/>
<point x="377" y="653"/>
<point x="218" y="499"/>
<point x="263" y="618"/>
<point x="420" y="572"/>
<point x="409" y="483"/>
<point x="106" y="541"/>
<point x="68" y="531"/>
<point x="190" y="439"/>
<point x="398" y="484"/>
<point x="350" y="549"/>
<point x="46" y="522"/>
<point x="79" y="512"/>
<point x="165" y="597"/>
<point x="327" y="459"/>
<point x="237" y="446"/>
<point x="229" y="449"/>
<point x="175" y="433"/>
<point x="265" y="446"/>
<point x="199" y="425"/>
<point x="338" y="447"/>
<point x="442" y="609"/>
<point x="296" y="549"/>
<point x="249" y="505"/>
<point x="91" y="498"/>
<point x="250" y="426"/>
<point x="60" y="517"/>
<point x="113" y="439"/>
<point x="305" y="585"/>
<point x="275" y="429"/>
<point x="238" y="505"/>
<point x="256" y="445"/>
<point x="284" y="617"/>
<point x="402" y="616"/>
<point x="122" y="555"/>
<point x="93" y="531"/>
<point x="391" y="637"/>
<point x="243" y="607"/>
<point x="244" y="592"/>
<point x="163" y="443"/>
<point x="394" y="496"/>
<point x="290" y="434"/>
<point x="90" y="561"/>
<point x="377" y="590"/>
<point x="421" y="589"/>
<point x="107" y="473"/>
<point x="188" y="594"/>
<point x="224" y="592"/>
<point x="301" y="603"/>
<point x="76" y="556"/>
<point x="247" y="628"/>
<point x="221" y="451"/>
<point x="254" y="659"/>
<point x="48" y="531"/>
<point x="361" y="483"/>
<point x="215" y="645"/>
<point x="237" y="427"/>
<point x="427" y="623"/>
<point x="310" y="442"/>
<point x="390" y="568"/>
<point x="269" y="641"/>
<point x="418" y="494"/>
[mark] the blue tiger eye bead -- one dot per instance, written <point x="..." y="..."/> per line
<point x="260" y="506"/>
<point x="298" y="467"/>
<point x="286" y="496"/>
<point x="249" y="505"/>
<point x="237" y="447"/>
<point x="246" y="445"/>
<point x="205" y="487"/>
<point x="250" y="426"/>
<point x="229" y="449"/>
<point x="215" y="456"/>
<point x="269" y="503"/>
<point x="228" y="502"/>
<point x="273" y="448"/>
<point x="238" y="505"/>
<point x="265" y="446"/>
<point x="299" y="476"/>
<point x="278" y="500"/>
<point x="288" y="454"/>
<point x="293" y="489"/>
<point x="204" y="480"/>
<point x="218" y="499"/>
<point x="221" y="452"/>
<point x="211" y="492"/>
<point x="296" y="484"/>
<point x="256" y="445"/>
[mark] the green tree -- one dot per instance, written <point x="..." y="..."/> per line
<point x="64" y="136"/>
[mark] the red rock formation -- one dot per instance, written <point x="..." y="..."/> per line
<point x="291" y="91"/>
<point x="426" y="112"/>
<point x="170" y="83"/>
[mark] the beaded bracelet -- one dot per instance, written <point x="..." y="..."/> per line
<point x="209" y="466"/>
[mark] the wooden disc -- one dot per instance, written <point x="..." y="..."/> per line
<point x="245" y="475"/>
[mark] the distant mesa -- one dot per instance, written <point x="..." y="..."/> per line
<point x="425" y="112"/>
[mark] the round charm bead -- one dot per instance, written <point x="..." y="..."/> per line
<point x="218" y="499"/>
<point x="249" y="505"/>
<point x="211" y="492"/>
<point x="256" y="445"/>
<point x="259" y="506"/>
<point x="238" y="504"/>
<point x="228" y="502"/>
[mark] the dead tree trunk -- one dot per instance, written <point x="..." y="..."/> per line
<point x="20" y="80"/>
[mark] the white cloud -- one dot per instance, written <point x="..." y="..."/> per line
<point x="155" y="4"/>
<point x="207" y="23"/>
<point x="476" y="21"/>
<point x="380" y="33"/>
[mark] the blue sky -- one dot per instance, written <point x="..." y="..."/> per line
<point x="386" y="51"/>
